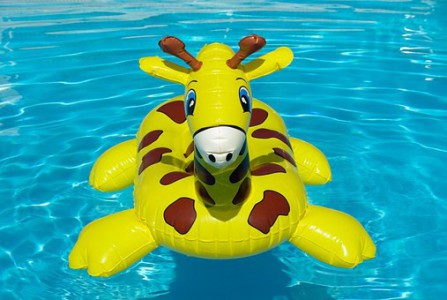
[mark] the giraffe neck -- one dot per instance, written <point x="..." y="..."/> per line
<point x="226" y="187"/>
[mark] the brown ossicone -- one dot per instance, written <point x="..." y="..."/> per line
<point x="176" y="47"/>
<point x="247" y="46"/>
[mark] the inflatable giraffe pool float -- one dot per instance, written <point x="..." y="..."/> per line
<point x="215" y="173"/>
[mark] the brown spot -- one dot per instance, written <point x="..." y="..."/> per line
<point x="243" y="192"/>
<point x="240" y="171"/>
<point x="284" y="154"/>
<point x="190" y="168"/>
<point x="264" y="133"/>
<point x="264" y="214"/>
<point x="189" y="150"/>
<point x="203" y="174"/>
<point x="181" y="215"/>
<point x="152" y="157"/>
<point x="203" y="193"/>
<point x="173" y="177"/>
<point x="267" y="169"/>
<point x="174" y="110"/>
<point x="258" y="116"/>
<point x="149" y="138"/>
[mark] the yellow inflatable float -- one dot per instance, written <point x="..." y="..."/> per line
<point x="215" y="173"/>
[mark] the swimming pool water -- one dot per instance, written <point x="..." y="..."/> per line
<point x="367" y="86"/>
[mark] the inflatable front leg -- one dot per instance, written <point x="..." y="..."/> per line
<point x="111" y="244"/>
<point x="312" y="165"/>
<point x="333" y="237"/>
<point x="115" y="169"/>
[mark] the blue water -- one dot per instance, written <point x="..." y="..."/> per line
<point x="368" y="86"/>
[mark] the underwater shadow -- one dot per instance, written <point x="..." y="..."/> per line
<point x="257" y="277"/>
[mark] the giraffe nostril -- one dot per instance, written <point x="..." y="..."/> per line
<point x="212" y="158"/>
<point x="229" y="156"/>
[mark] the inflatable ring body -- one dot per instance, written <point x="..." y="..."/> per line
<point x="258" y="220"/>
<point x="215" y="173"/>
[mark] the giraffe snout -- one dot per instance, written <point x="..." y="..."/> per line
<point x="219" y="146"/>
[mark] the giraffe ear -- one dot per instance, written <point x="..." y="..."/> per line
<point x="160" y="68"/>
<point x="269" y="63"/>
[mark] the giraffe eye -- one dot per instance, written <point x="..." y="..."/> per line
<point x="190" y="102"/>
<point x="244" y="97"/>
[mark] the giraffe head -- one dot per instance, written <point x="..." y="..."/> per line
<point x="218" y="97"/>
